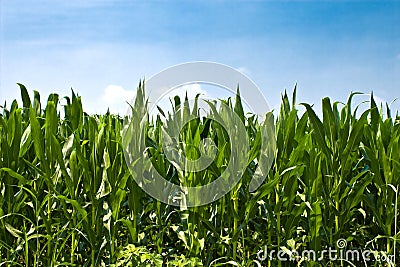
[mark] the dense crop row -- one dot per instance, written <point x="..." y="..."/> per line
<point x="68" y="198"/>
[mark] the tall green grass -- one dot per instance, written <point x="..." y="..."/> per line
<point x="68" y="198"/>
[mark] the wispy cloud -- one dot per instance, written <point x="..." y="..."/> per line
<point x="54" y="45"/>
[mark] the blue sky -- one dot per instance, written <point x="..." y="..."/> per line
<point x="329" y="48"/>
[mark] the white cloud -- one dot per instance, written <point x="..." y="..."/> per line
<point x="244" y="70"/>
<point x="364" y="103"/>
<point x="115" y="98"/>
<point x="191" y="90"/>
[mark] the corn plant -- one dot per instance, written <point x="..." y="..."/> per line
<point x="69" y="197"/>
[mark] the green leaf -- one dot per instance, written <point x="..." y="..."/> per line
<point x="15" y="175"/>
<point x="26" y="100"/>
<point x="238" y="106"/>
<point x="318" y="128"/>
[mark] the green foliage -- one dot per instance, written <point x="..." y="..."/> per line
<point x="68" y="198"/>
<point x="137" y="256"/>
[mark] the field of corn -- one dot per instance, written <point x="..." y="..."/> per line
<point x="68" y="198"/>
